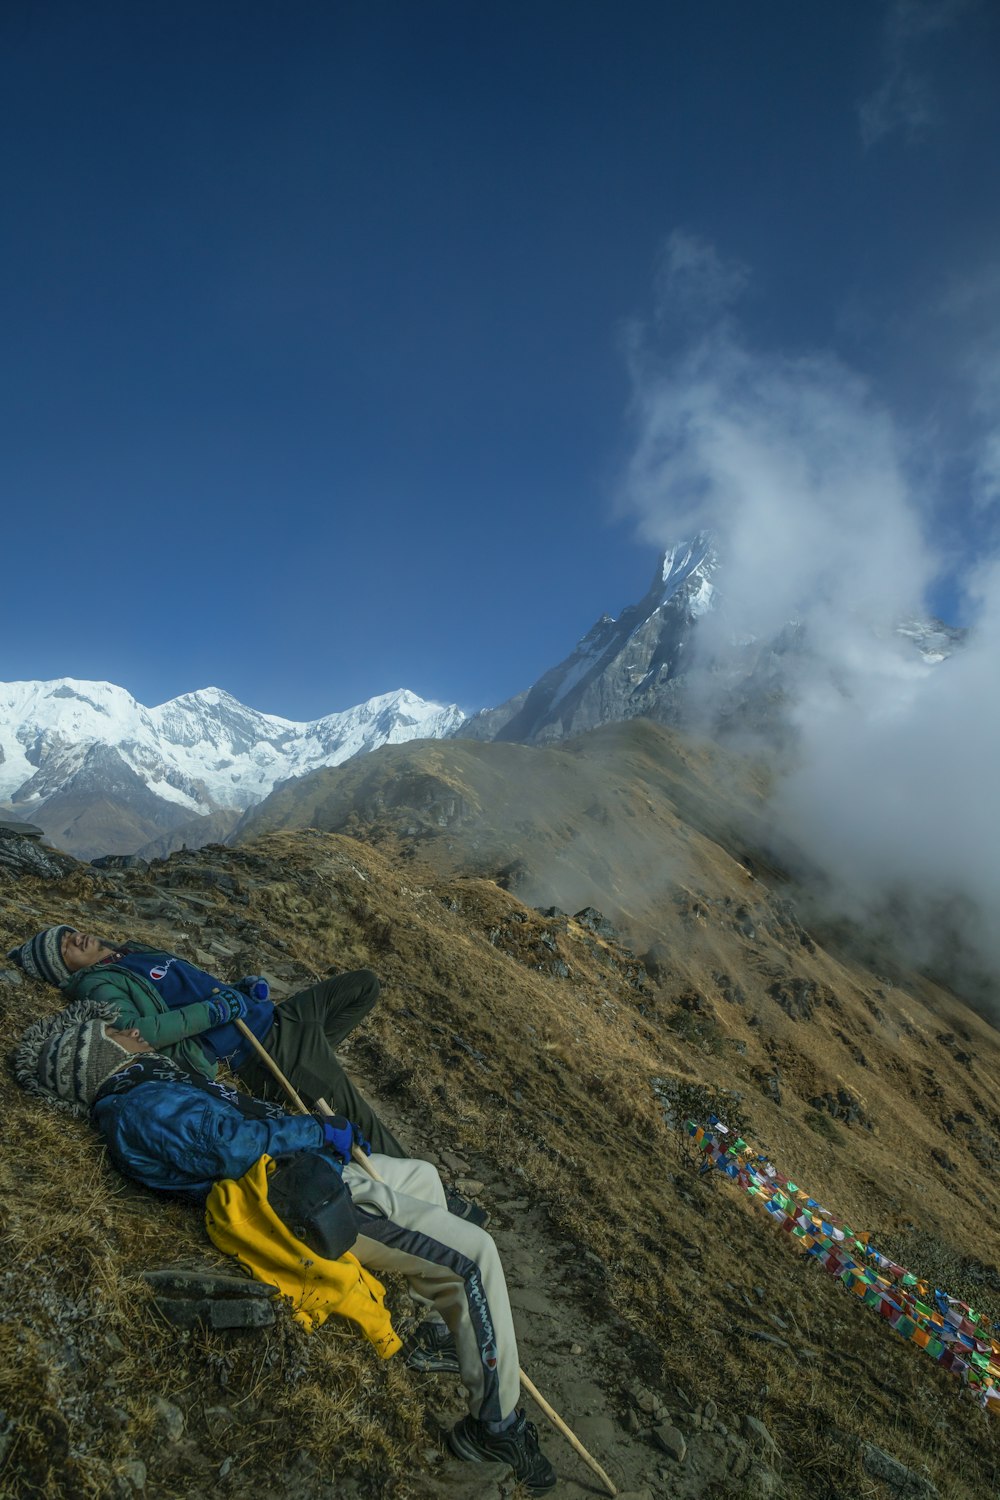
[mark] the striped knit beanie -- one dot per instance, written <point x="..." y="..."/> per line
<point x="41" y="956"/>
<point x="65" y="1058"/>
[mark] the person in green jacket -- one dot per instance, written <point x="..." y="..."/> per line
<point x="189" y="1015"/>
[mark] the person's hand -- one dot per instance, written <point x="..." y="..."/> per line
<point x="255" y="987"/>
<point x="341" y="1134"/>
<point x="227" y="1005"/>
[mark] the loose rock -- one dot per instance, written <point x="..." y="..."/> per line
<point x="169" y="1419"/>
<point x="134" y="1474"/>
<point x="904" y="1482"/>
<point x="757" y="1434"/>
<point x="671" y="1440"/>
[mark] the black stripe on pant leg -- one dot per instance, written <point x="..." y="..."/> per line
<point x="411" y="1242"/>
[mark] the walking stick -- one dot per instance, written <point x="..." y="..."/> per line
<point x="269" y="1062"/>
<point x="361" y="1160"/>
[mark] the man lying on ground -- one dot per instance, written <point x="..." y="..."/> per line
<point x="188" y="1015"/>
<point x="180" y="1133"/>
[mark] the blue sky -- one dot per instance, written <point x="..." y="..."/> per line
<point x="329" y="330"/>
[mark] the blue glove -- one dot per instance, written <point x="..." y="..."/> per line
<point x="341" y="1134"/>
<point x="255" y="987"/>
<point x="227" y="1005"/>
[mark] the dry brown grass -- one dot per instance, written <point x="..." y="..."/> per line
<point x="550" y="1079"/>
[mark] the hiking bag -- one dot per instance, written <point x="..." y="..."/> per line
<point x="311" y="1198"/>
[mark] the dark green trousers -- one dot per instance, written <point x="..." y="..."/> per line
<point x="308" y="1028"/>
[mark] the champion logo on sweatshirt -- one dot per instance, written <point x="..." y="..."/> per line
<point x="160" y="971"/>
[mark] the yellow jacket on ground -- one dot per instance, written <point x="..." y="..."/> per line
<point x="241" y="1222"/>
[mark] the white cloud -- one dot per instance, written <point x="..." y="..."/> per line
<point x="903" y="103"/>
<point x="972" y="308"/>
<point x="805" y="480"/>
<point x="895" y="796"/>
<point x="693" y="281"/>
<point x="793" y="465"/>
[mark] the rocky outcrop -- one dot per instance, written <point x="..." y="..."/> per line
<point x="23" y="853"/>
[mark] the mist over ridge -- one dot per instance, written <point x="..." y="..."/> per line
<point x="822" y="515"/>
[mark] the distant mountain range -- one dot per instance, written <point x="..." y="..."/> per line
<point x="100" y="773"/>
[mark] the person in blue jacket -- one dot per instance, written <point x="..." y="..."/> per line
<point x="179" y="1133"/>
<point x="190" y="1015"/>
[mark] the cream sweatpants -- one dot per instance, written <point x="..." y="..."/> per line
<point x="450" y="1264"/>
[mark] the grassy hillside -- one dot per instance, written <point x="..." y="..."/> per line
<point x="535" y="1053"/>
<point x="617" y="818"/>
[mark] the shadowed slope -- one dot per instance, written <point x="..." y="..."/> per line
<point x="542" y="1051"/>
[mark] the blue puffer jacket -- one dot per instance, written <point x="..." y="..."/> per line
<point x="180" y="1135"/>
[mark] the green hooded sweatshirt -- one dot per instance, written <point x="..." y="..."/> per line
<point x="172" y="1032"/>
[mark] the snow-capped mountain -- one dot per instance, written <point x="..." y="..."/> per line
<point x="622" y="668"/>
<point x="66" y="744"/>
<point x="651" y="662"/>
<point x="100" y="773"/>
<point x="934" y="640"/>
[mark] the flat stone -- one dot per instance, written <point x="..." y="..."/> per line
<point x="671" y="1440"/>
<point x="760" y="1337"/>
<point x="227" y="1312"/>
<point x="206" y="1284"/>
<point x="25" y="856"/>
<point x="905" y="1483"/>
<point x="598" y="1433"/>
<point x="530" y="1299"/>
<point x="757" y="1434"/>
<point x="234" y="1314"/>
<point x="120" y="862"/>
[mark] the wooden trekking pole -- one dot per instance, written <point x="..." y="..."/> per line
<point x="567" y="1432"/>
<point x="361" y="1160"/>
<point x="269" y="1062"/>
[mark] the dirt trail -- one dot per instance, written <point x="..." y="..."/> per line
<point x="571" y="1344"/>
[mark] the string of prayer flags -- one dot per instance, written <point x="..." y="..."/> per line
<point x="948" y="1330"/>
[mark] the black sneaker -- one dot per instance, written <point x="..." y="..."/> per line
<point x="430" y="1349"/>
<point x="463" y="1209"/>
<point x="517" y="1445"/>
